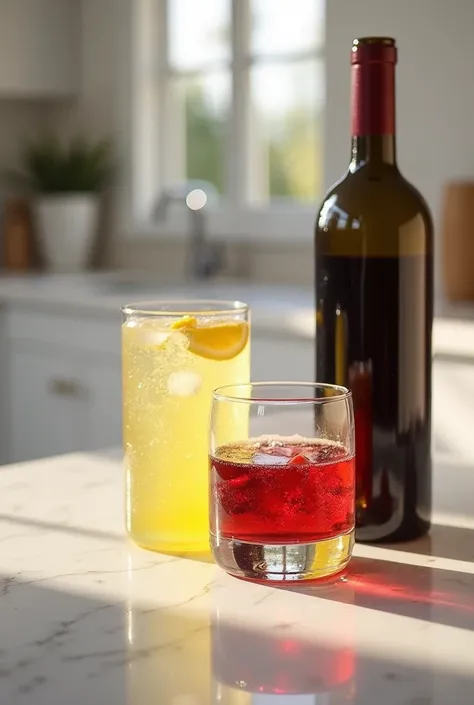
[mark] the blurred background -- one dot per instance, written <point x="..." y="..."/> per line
<point x="250" y="96"/>
<point x="181" y="147"/>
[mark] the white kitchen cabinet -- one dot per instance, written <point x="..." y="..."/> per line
<point x="63" y="378"/>
<point x="62" y="401"/>
<point x="46" y="408"/>
<point x="103" y="380"/>
<point x="39" y="48"/>
<point x="64" y="385"/>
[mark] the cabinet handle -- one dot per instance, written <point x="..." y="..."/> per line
<point x="65" y="387"/>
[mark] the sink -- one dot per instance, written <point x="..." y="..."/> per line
<point x="222" y="288"/>
<point x="176" y="290"/>
<point x="159" y="288"/>
<point x="159" y="284"/>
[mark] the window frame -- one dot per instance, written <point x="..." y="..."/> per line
<point x="151" y="127"/>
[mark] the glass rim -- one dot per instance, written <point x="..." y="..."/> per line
<point x="184" y="307"/>
<point x="224" y="393"/>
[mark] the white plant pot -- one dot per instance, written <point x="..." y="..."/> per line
<point x="67" y="225"/>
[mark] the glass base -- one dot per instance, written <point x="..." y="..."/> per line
<point x="275" y="563"/>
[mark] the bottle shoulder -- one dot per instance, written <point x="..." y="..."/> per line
<point x="382" y="212"/>
<point x="419" y="201"/>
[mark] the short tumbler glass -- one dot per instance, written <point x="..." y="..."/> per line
<point x="282" y="497"/>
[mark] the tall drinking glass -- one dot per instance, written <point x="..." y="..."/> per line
<point x="174" y="355"/>
<point x="282" y="495"/>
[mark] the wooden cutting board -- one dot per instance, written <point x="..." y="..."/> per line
<point x="457" y="234"/>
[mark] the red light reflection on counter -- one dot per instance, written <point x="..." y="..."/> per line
<point x="408" y="584"/>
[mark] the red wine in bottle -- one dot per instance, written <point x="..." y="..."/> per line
<point x="374" y="302"/>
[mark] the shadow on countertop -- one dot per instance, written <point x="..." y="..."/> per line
<point x="430" y="594"/>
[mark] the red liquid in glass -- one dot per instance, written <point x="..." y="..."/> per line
<point x="282" y="492"/>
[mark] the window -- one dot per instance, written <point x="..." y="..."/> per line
<point x="231" y="92"/>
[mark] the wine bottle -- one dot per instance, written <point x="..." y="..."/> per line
<point x="374" y="302"/>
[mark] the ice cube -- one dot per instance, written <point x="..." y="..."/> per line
<point x="155" y="338"/>
<point x="184" y="384"/>
<point x="266" y="459"/>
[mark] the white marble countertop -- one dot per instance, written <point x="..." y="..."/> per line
<point x="99" y="293"/>
<point x="88" y="618"/>
<point x="275" y="308"/>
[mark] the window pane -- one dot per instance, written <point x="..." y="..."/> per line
<point x="285" y="149"/>
<point x="286" y="26"/>
<point x="199" y="32"/>
<point x="199" y="118"/>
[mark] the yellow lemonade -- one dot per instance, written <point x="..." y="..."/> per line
<point x="171" y="365"/>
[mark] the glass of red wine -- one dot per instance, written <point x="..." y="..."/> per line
<point x="282" y="480"/>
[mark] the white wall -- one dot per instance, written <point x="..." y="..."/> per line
<point x="435" y="86"/>
<point x="101" y="109"/>
<point x="39" y="45"/>
<point x="435" y="102"/>
<point x="19" y="119"/>
<point x="33" y="92"/>
<point x="105" y="28"/>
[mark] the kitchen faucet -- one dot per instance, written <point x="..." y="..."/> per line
<point x="205" y="259"/>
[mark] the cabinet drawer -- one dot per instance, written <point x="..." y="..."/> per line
<point x="61" y="401"/>
<point x="45" y="405"/>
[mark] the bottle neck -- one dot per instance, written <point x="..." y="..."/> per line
<point x="373" y="150"/>
<point x="373" y="115"/>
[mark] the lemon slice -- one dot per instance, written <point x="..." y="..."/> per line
<point x="221" y="341"/>
<point x="186" y="322"/>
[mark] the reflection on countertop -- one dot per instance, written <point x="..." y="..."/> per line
<point x="91" y="618"/>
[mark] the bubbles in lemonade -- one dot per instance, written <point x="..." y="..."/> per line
<point x="170" y="368"/>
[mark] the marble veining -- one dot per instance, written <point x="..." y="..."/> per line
<point x="87" y="617"/>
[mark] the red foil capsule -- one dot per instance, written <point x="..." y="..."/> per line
<point x="373" y="86"/>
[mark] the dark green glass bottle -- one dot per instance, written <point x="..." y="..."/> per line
<point x="374" y="299"/>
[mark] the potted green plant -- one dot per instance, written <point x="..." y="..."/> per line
<point x="67" y="180"/>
